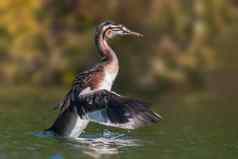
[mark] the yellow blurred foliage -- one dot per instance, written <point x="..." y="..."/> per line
<point x="48" y="41"/>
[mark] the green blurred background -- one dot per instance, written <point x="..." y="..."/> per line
<point x="185" y="66"/>
<point x="46" y="42"/>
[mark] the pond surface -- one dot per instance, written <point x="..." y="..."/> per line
<point x="198" y="124"/>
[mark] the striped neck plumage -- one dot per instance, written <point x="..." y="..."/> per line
<point x="105" y="50"/>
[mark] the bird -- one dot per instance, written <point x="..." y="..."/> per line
<point x="91" y="99"/>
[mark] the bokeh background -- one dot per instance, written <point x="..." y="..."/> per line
<point x="185" y="66"/>
<point x="46" y="42"/>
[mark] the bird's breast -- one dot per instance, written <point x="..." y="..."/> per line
<point x="108" y="80"/>
<point x="104" y="81"/>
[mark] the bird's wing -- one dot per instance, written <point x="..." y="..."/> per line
<point x="82" y="81"/>
<point x="107" y="108"/>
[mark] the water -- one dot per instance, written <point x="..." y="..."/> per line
<point x="198" y="124"/>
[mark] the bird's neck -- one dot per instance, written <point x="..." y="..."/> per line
<point x="110" y="64"/>
<point x="106" y="51"/>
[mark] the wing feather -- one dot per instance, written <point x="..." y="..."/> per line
<point x="110" y="109"/>
<point x="82" y="81"/>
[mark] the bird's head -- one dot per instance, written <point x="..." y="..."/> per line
<point x="109" y="29"/>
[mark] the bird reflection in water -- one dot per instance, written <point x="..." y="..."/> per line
<point x="99" y="145"/>
<point x="108" y="144"/>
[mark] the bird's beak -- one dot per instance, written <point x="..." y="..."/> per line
<point x="135" y="34"/>
<point x="129" y="32"/>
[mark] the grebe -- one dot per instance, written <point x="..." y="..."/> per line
<point x="90" y="98"/>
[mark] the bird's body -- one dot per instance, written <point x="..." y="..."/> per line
<point x="91" y="98"/>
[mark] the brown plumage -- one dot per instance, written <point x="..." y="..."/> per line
<point x="91" y="99"/>
<point x="90" y="78"/>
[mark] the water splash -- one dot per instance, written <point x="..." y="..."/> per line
<point x="107" y="143"/>
<point x="98" y="145"/>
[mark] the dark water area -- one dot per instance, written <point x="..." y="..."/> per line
<point x="199" y="123"/>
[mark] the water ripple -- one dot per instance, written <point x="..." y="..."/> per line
<point x="98" y="145"/>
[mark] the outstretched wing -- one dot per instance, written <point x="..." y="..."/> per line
<point x="110" y="109"/>
<point x="83" y="81"/>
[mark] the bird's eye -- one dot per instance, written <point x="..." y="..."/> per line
<point x="109" y="33"/>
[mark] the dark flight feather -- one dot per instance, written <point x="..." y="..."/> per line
<point x="110" y="109"/>
<point x="81" y="82"/>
